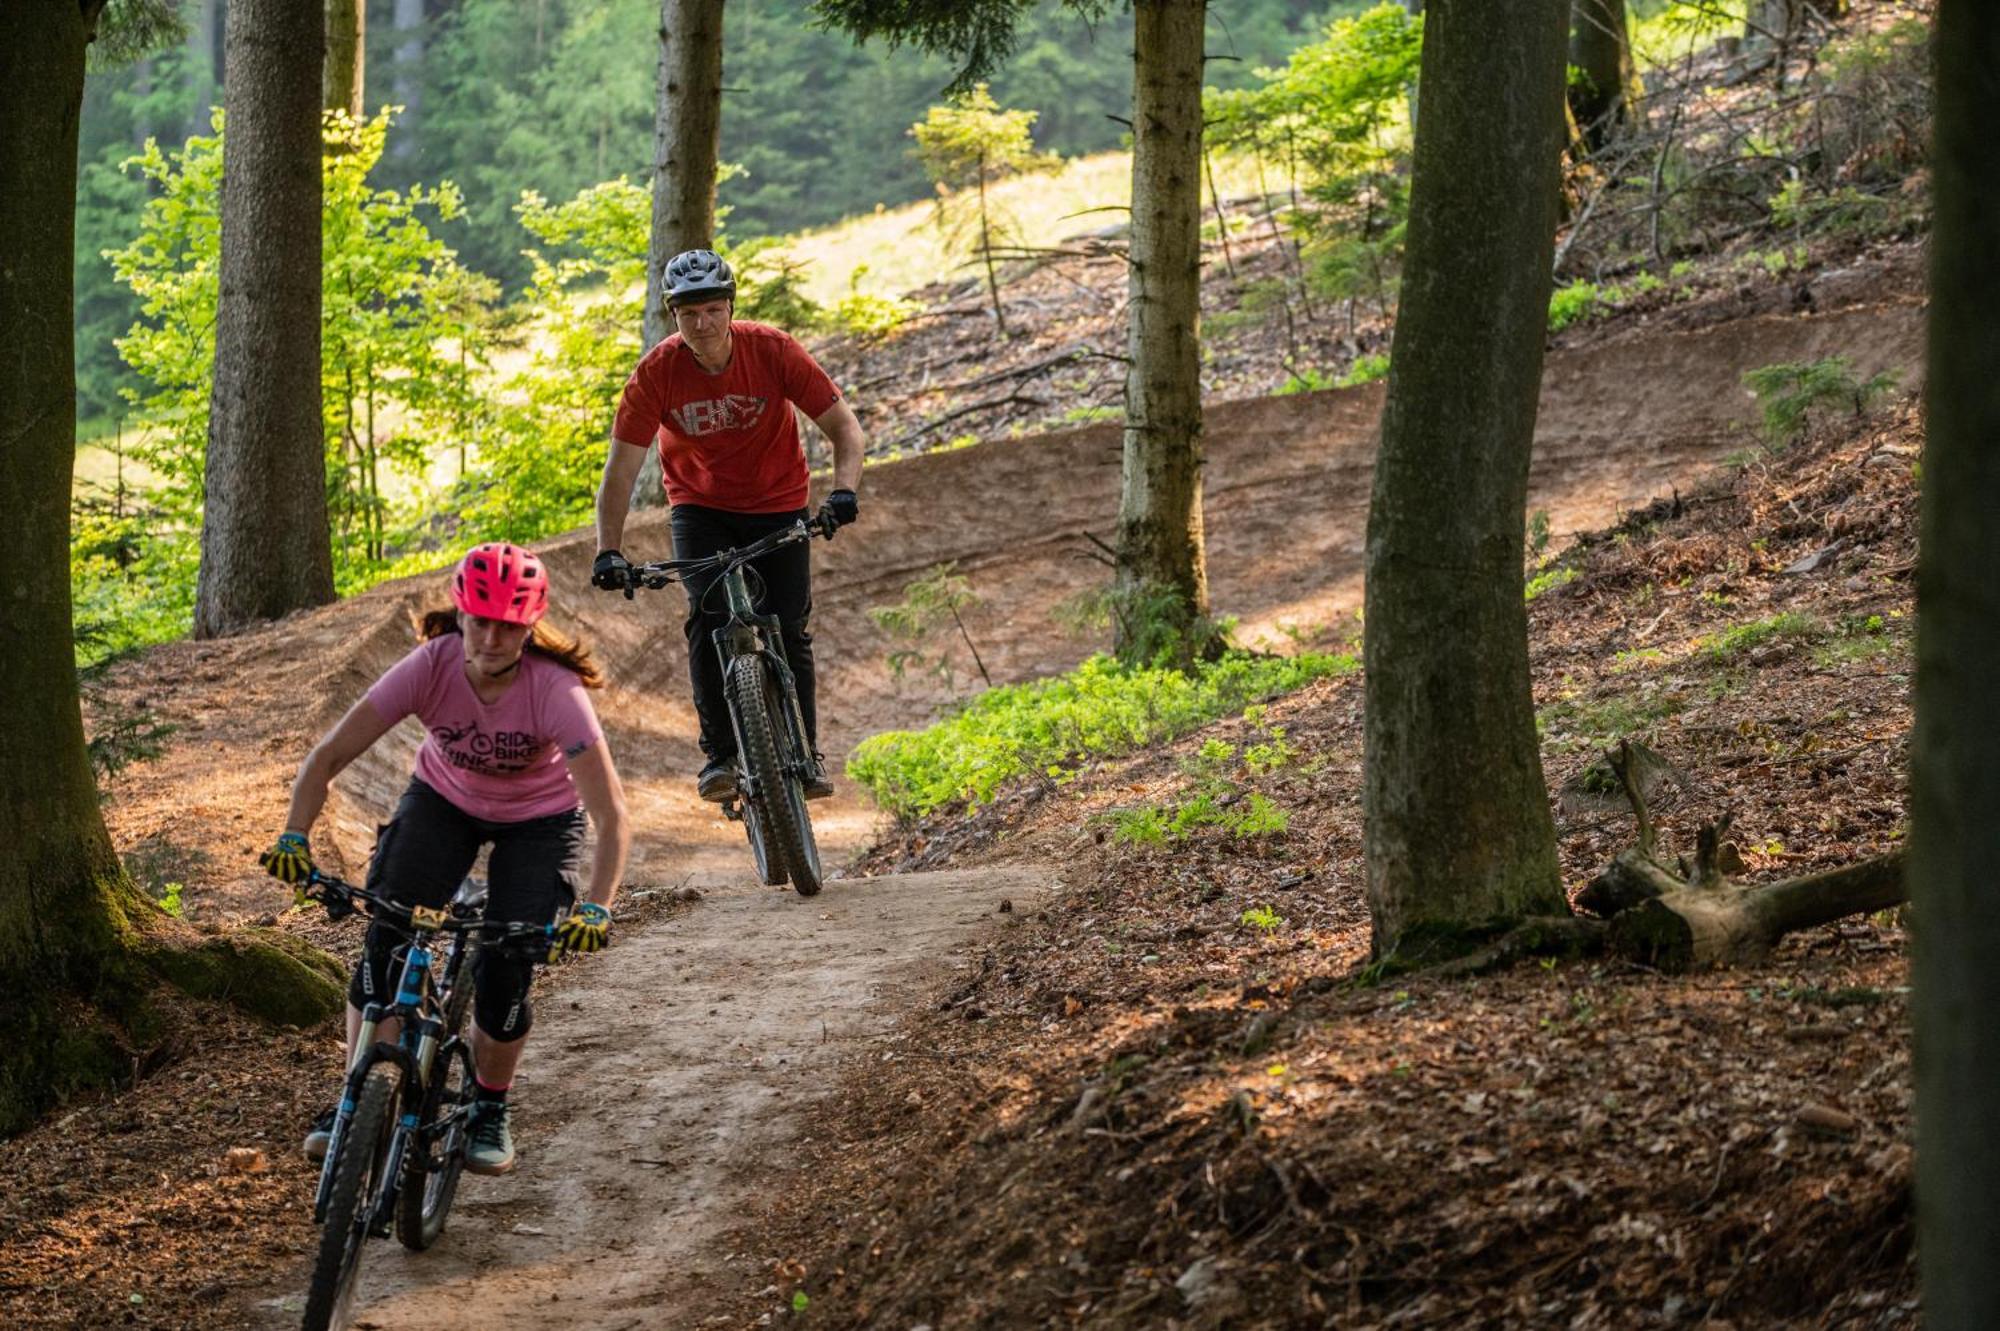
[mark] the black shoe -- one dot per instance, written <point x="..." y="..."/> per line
<point x="717" y="782"/>
<point x="321" y="1134"/>
<point x="818" y="785"/>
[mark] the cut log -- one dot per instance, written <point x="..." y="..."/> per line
<point x="1724" y="925"/>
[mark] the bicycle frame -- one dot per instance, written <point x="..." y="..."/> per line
<point x="418" y="1042"/>
<point x="750" y="634"/>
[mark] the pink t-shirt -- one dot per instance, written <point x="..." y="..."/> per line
<point x="501" y="761"/>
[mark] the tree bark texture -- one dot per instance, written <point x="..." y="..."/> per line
<point x="1599" y="48"/>
<point x="265" y="546"/>
<point x="687" y="141"/>
<point x="687" y="147"/>
<point x="1459" y="833"/>
<point x="1160" y="545"/>
<point x="1954" y="780"/>
<point x="346" y="56"/>
<point x="56" y="921"/>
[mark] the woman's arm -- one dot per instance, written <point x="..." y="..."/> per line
<point x="604" y="800"/>
<point x="348" y="740"/>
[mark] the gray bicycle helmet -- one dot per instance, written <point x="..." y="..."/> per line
<point x="694" y="276"/>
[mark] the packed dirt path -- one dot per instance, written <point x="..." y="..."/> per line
<point x="665" y="1071"/>
<point x="661" y="1088"/>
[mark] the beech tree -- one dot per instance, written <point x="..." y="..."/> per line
<point x="1954" y="782"/>
<point x="265" y="547"/>
<point x="1459" y="837"/>
<point x="79" y="947"/>
<point x="1162" y="578"/>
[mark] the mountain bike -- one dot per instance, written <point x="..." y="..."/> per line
<point x="398" y="1139"/>
<point x="773" y="758"/>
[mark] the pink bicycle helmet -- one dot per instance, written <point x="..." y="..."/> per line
<point x="501" y="581"/>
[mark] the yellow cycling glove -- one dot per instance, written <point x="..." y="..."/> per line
<point x="290" y="861"/>
<point x="585" y="929"/>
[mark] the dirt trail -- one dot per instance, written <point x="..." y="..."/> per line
<point x="687" y="1058"/>
<point x="663" y="1072"/>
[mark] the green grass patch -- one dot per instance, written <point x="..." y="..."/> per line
<point x="1548" y="580"/>
<point x="1052" y="726"/>
<point x="1602" y="721"/>
<point x="1788" y="626"/>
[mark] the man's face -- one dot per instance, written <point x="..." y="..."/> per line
<point x="704" y="326"/>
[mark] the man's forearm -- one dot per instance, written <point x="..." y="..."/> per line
<point x="614" y="493"/>
<point x="849" y="445"/>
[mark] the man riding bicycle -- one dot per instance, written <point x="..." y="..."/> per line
<point x="718" y="395"/>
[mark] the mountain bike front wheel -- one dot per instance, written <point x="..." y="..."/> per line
<point x="437" y="1156"/>
<point x="364" y="1155"/>
<point x="779" y="827"/>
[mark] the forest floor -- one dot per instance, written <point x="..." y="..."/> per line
<point x="921" y="1109"/>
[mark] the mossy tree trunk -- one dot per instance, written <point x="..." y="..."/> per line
<point x="687" y="149"/>
<point x="1459" y="836"/>
<point x="1161" y="562"/>
<point x="1600" y="50"/>
<point x="1954" y="781"/>
<point x="265" y="546"/>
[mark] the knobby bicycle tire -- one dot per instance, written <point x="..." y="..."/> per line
<point x="424" y="1203"/>
<point x="779" y="812"/>
<point x="357" y="1179"/>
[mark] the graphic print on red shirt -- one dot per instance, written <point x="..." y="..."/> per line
<point x="728" y="441"/>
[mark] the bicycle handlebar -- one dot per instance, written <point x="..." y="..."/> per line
<point x="663" y="572"/>
<point x="339" y="896"/>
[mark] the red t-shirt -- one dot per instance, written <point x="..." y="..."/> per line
<point x="727" y="440"/>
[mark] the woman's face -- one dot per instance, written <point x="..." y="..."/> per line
<point x="492" y="646"/>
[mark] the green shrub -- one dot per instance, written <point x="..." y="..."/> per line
<point x="1548" y="580"/>
<point x="1572" y="304"/>
<point x="1788" y="625"/>
<point x="1308" y="380"/>
<point x="1365" y="370"/>
<point x="1788" y="394"/>
<point x="1053" y="726"/>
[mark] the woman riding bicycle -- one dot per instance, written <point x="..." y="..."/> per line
<point x="514" y="759"/>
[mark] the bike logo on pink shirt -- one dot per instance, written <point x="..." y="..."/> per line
<point x="469" y="748"/>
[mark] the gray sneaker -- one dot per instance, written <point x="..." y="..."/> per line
<point x="320" y="1136"/>
<point x="489" y="1147"/>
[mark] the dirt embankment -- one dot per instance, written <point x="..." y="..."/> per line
<point x="656" y="1078"/>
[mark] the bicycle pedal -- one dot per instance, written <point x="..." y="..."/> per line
<point x="732" y="809"/>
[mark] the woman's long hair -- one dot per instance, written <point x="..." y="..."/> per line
<point x="543" y="641"/>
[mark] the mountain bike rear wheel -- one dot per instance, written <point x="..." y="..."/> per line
<point x="776" y="819"/>
<point x="364" y="1154"/>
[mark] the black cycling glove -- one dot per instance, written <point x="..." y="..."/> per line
<point x="840" y="509"/>
<point x="612" y="571"/>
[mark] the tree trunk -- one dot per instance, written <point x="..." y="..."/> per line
<point x="346" y="56"/>
<point x="264" y="544"/>
<point x="58" y="856"/>
<point x="1459" y="836"/>
<point x="687" y="145"/>
<point x="406" y="76"/>
<point x="203" y="67"/>
<point x="1954" y="781"/>
<point x="69" y="920"/>
<point x="1598" y="47"/>
<point x="1161" y="563"/>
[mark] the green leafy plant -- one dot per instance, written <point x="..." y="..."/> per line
<point x="1263" y="918"/>
<point x="1365" y="370"/>
<point x="1787" y="625"/>
<point x="1308" y="380"/>
<point x="1573" y="303"/>
<point x="927" y="602"/>
<point x="1790" y="394"/>
<point x="1549" y="580"/>
<point x="1052" y="726"/>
